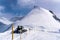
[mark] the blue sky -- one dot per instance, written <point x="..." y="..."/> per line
<point x="12" y="8"/>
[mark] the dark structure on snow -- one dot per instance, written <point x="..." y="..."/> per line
<point x="54" y="16"/>
<point x="20" y="29"/>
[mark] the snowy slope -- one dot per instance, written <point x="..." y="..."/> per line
<point x="14" y="19"/>
<point x="41" y="25"/>
<point x="41" y="17"/>
<point x="5" y="21"/>
<point x="32" y="35"/>
<point x="4" y="24"/>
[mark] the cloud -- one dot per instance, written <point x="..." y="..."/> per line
<point x="3" y="14"/>
<point x="2" y="8"/>
<point x="25" y="2"/>
<point x="48" y="1"/>
<point x="6" y="15"/>
<point x="54" y="1"/>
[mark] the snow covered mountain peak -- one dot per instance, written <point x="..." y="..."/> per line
<point x="41" y="9"/>
<point x="37" y="22"/>
<point x="5" y="21"/>
<point x="40" y="17"/>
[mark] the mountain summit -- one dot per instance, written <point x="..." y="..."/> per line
<point x="41" y="17"/>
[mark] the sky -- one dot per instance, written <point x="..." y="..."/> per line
<point x="13" y="8"/>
